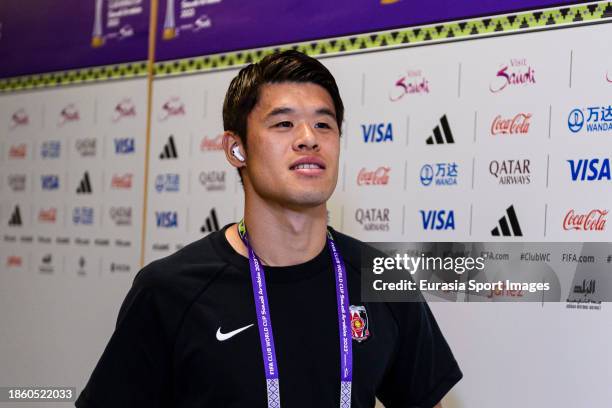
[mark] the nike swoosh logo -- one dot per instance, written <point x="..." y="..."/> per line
<point x="229" y="335"/>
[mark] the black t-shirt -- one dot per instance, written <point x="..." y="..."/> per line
<point x="166" y="352"/>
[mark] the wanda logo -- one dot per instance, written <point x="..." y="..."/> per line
<point x="519" y="124"/>
<point x="380" y="176"/>
<point x="594" y="220"/>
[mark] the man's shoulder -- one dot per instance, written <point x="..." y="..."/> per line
<point x="194" y="265"/>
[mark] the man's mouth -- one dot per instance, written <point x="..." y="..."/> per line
<point x="308" y="166"/>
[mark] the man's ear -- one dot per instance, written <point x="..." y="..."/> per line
<point x="231" y="141"/>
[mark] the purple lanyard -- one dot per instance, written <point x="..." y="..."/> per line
<point x="264" y="322"/>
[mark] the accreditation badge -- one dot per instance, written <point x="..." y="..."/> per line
<point x="360" y="330"/>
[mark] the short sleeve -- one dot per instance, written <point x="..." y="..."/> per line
<point x="424" y="368"/>
<point x="134" y="370"/>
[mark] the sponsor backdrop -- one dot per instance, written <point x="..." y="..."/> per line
<point x="496" y="138"/>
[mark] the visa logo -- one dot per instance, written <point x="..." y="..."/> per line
<point x="377" y="132"/>
<point x="166" y="219"/>
<point x="50" y="182"/>
<point x="124" y="145"/>
<point x="589" y="170"/>
<point x="438" y="219"/>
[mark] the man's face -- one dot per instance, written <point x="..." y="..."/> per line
<point x="293" y="144"/>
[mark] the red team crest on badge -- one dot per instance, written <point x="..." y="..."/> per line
<point x="360" y="330"/>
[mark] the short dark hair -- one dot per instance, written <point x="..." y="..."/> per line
<point x="287" y="66"/>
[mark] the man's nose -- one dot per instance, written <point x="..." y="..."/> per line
<point x="307" y="138"/>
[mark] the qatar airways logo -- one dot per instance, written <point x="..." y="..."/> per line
<point x="517" y="73"/>
<point x="124" y="109"/>
<point x="377" y="177"/>
<point x="609" y="77"/>
<point x="594" y="220"/>
<point x="19" y="118"/>
<point x="517" y="125"/>
<point x="413" y="81"/>
<point x="172" y="107"/>
<point x="211" y="143"/>
<point x="69" y="114"/>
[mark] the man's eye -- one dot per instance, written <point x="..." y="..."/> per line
<point x="323" y="125"/>
<point x="284" y="124"/>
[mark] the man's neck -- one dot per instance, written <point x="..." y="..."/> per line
<point x="281" y="236"/>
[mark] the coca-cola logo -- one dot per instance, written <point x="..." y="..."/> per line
<point x="47" y="215"/>
<point x="411" y="82"/>
<point x="19" y="118"/>
<point x="124" y="109"/>
<point x="519" y="124"/>
<point x="173" y="107"/>
<point x="212" y="143"/>
<point x="14" y="261"/>
<point x="517" y="73"/>
<point x="380" y="176"/>
<point x="123" y="181"/>
<point x="17" y="152"/>
<point x="594" y="220"/>
<point x="70" y="113"/>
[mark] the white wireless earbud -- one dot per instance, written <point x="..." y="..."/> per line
<point x="236" y="153"/>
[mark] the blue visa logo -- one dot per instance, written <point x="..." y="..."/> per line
<point x="438" y="219"/>
<point x="82" y="215"/>
<point x="593" y="119"/>
<point x="124" y="145"/>
<point x="166" y="219"/>
<point x="590" y="169"/>
<point x="377" y="132"/>
<point x="50" y="182"/>
<point x="169" y="182"/>
<point x="50" y="149"/>
<point x="439" y="174"/>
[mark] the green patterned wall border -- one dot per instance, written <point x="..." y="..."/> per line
<point x="74" y="76"/>
<point x="503" y="24"/>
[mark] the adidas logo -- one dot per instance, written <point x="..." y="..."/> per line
<point x="211" y="224"/>
<point x="84" y="185"/>
<point x="169" y="151"/>
<point x="15" y="220"/>
<point x="508" y="230"/>
<point x="437" y="135"/>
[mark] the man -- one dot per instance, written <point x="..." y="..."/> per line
<point x="205" y="327"/>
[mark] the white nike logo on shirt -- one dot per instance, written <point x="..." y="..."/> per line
<point x="225" y="336"/>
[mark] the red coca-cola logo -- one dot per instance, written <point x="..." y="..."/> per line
<point x="17" y="152"/>
<point x="122" y="181"/>
<point x="49" y="215"/>
<point x="594" y="220"/>
<point x="212" y="143"/>
<point x="519" y="124"/>
<point x="14" y="261"/>
<point x="380" y="176"/>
